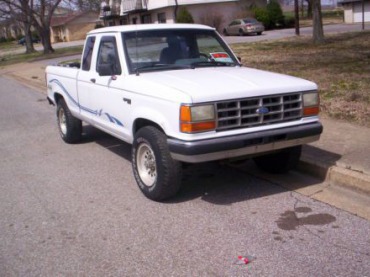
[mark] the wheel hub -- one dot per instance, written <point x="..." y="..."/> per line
<point x="62" y="121"/>
<point x="149" y="163"/>
<point x="146" y="164"/>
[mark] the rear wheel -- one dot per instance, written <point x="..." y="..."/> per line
<point x="70" y="128"/>
<point x="259" y="33"/>
<point x="157" y="174"/>
<point x="225" y="33"/>
<point x="280" y="162"/>
<point x="241" y="32"/>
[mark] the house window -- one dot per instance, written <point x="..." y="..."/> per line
<point x="86" y="61"/>
<point x="123" y="21"/>
<point x="162" y="18"/>
<point x="147" y="18"/>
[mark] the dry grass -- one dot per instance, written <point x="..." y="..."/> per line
<point x="340" y="67"/>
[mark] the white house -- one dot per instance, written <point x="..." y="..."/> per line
<point x="353" y="10"/>
<point x="216" y="13"/>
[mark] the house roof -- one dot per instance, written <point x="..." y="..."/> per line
<point x="64" y="19"/>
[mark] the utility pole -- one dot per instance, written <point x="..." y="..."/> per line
<point x="296" y="17"/>
<point x="363" y="15"/>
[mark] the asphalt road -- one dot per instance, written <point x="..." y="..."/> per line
<point x="70" y="210"/>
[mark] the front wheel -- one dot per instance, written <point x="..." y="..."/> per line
<point x="157" y="174"/>
<point x="280" y="162"/>
<point x="70" y="128"/>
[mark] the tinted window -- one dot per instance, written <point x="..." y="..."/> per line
<point x="250" y="20"/>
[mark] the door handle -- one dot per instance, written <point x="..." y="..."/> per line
<point x="93" y="80"/>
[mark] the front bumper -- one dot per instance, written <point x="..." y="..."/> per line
<point x="243" y="145"/>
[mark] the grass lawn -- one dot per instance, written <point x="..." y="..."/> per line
<point x="340" y="67"/>
<point x="18" y="58"/>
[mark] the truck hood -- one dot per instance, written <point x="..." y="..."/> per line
<point x="220" y="83"/>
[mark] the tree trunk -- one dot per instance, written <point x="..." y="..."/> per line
<point x="309" y="8"/>
<point x="28" y="38"/>
<point x="318" y="32"/>
<point x="46" y="41"/>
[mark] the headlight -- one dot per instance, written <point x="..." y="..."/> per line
<point x="311" y="103"/>
<point x="197" y="118"/>
<point x="200" y="113"/>
<point x="310" y="99"/>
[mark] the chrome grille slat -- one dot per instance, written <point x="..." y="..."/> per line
<point x="243" y="112"/>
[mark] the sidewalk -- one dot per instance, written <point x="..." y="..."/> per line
<point x="341" y="156"/>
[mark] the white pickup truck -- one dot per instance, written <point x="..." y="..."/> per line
<point x="178" y="94"/>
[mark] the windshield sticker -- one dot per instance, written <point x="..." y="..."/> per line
<point x="221" y="57"/>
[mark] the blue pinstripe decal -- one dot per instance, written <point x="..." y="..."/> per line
<point x="94" y="112"/>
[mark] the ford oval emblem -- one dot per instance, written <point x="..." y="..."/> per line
<point x="262" y="110"/>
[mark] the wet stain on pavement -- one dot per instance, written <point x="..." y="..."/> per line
<point x="289" y="220"/>
<point x="303" y="210"/>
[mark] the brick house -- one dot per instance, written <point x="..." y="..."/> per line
<point x="72" y="26"/>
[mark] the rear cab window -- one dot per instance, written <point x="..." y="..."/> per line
<point x="88" y="51"/>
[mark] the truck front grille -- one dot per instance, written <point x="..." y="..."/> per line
<point x="251" y="112"/>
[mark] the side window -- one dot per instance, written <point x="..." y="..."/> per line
<point x="108" y="60"/>
<point x="86" y="61"/>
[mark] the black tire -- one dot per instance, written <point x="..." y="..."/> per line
<point x="280" y="162"/>
<point x="259" y="33"/>
<point x="157" y="174"/>
<point x="241" y="32"/>
<point x="70" y="128"/>
<point x="225" y="33"/>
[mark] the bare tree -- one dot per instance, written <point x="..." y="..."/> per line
<point x="87" y="5"/>
<point x="42" y="14"/>
<point x="39" y="13"/>
<point x="318" y="31"/>
<point x="21" y="13"/>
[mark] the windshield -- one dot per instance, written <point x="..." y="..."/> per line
<point x="155" y="50"/>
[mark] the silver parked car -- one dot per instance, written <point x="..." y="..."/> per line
<point x="243" y="27"/>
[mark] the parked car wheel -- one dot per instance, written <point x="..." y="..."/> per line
<point x="225" y="33"/>
<point x="157" y="174"/>
<point x="70" y="128"/>
<point x="259" y="33"/>
<point x="280" y="162"/>
<point x="241" y="32"/>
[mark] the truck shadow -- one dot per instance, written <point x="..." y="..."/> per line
<point x="214" y="182"/>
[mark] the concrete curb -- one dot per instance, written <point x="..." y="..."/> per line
<point x="335" y="175"/>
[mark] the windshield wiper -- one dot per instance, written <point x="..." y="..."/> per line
<point x="154" y="67"/>
<point x="211" y="63"/>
